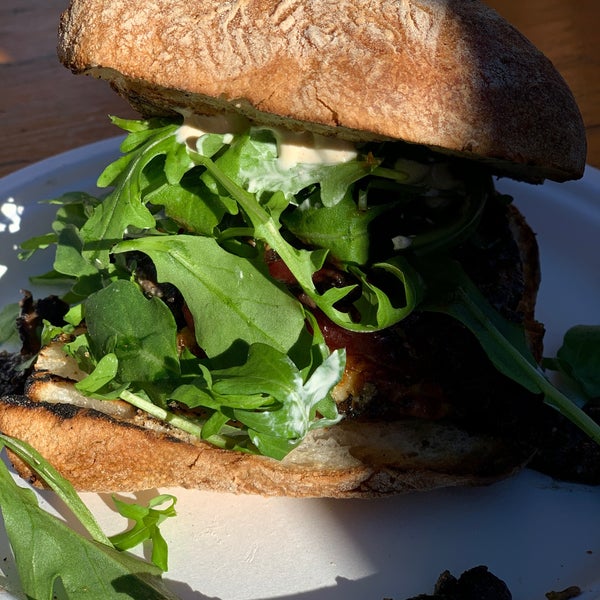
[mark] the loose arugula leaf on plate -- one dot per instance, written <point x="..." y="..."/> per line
<point x="147" y="526"/>
<point x="579" y="358"/>
<point x="47" y="551"/>
<point x="55" y="481"/>
<point x="84" y="567"/>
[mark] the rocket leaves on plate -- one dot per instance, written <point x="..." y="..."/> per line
<point x="579" y="358"/>
<point x="147" y="526"/>
<point x="50" y="555"/>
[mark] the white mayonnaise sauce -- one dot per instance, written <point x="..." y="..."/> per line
<point x="311" y="148"/>
<point x="292" y="147"/>
<point x="195" y="126"/>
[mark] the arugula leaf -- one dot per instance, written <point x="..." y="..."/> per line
<point x="47" y="551"/>
<point x="74" y="210"/>
<point x="57" y="482"/>
<point x="226" y="289"/>
<point x="269" y="395"/>
<point x="100" y="381"/>
<point x="450" y="291"/>
<point x="336" y="180"/>
<point x="180" y="203"/>
<point x="399" y="298"/>
<point x="123" y="207"/>
<point x="29" y="247"/>
<point x="343" y="229"/>
<point x="69" y="258"/>
<point x="143" y="338"/>
<point x="271" y="373"/>
<point x="9" y="334"/>
<point x="147" y="521"/>
<point x="268" y="389"/>
<point x="304" y="263"/>
<point x="139" y="127"/>
<point x="253" y="163"/>
<point x="579" y="357"/>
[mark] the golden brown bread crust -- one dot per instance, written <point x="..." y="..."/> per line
<point x="97" y="453"/>
<point x="452" y="74"/>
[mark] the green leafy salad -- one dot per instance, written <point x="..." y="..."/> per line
<point x="200" y="214"/>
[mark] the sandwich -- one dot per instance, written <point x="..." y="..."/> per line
<point x="296" y="276"/>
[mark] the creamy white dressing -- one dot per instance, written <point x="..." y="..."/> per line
<point x="311" y="148"/>
<point x="293" y="148"/>
<point x="195" y="126"/>
<point x="401" y="242"/>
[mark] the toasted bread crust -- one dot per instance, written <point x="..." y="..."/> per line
<point x="450" y="75"/>
<point x="346" y="462"/>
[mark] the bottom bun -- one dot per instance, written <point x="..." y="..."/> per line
<point x="349" y="460"/>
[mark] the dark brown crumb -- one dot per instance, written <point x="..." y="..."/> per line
<point x="12" y="374"/>
<point x="570" y="592"/>
<point x="475" y="584"/>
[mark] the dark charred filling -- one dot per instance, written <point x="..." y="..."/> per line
<point x="16" y="367"/>
<point x="32" y="315"/>
<point x="429" y="365"/>
<point x="12" y="373"/>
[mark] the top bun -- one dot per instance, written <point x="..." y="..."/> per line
<point x="448" y="74"/>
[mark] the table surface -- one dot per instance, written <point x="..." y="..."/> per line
<point x="44" y="109"/>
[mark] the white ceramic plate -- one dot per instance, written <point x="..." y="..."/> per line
<point x="536" y="534"/>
